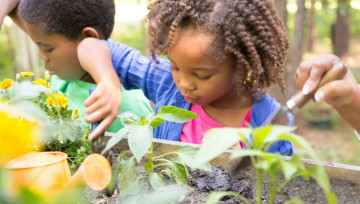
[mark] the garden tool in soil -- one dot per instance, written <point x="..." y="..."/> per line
<point x="279" y="117"/>
<point x="336" y="72"/>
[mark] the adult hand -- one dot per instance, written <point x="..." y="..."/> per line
<point x="342" y="94"/>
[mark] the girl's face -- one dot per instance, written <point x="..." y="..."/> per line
<point x="199" y="78"/>
<point x="58" y="52"/>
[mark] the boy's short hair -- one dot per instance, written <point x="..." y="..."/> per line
<point x="69" y="17"/>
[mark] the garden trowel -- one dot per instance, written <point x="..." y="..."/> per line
<point x="279" y="117"/>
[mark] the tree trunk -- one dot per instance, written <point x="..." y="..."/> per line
<point x="25" y="52"/>
<point x="297" y="47"/>
<point x="312" y="27"/>
<point x="340" y="30"/>
<point x="325" y="4"/>
<point x="280" y="6"/>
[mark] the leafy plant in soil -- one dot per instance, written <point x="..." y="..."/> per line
<point x="140" y="133"/>
<point x="267" y="165"/>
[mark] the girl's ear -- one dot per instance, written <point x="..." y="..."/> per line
<point x="90" y="32"/>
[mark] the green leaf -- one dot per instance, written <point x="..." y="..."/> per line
<point x="288" y="168"/>
<point x="25" y="91"/>
<point x="294" y="201"/>
<point x="215" y="197"/>
<point x="186" y="156"/>
<point x="140" y="140"/>
<point x="259" y="135"/>
<point x="319" y="174"/>
<point x="301" y="142"/>
<point x="168" y="172"/>
<point x="217" y="141"/>
<point x="128" y="118"/>
<point x="116" y="138"/>
<point x="163" y="195"/>
<point x="156" y="180"/>
<point x="179" y="172"/>
<point x="173" y="114"/>
<point x="127" y="179"/>
<point x="276" y="131"/>
<point x="147" y="166"/>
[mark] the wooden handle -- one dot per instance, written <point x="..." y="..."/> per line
<point x="336" y="72"/>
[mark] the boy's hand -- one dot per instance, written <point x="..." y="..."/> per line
<point x="103" y="105"/>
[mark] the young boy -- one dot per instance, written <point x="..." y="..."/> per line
<point x="57" y="27"/>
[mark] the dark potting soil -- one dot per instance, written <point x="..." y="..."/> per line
<point x="202" y="183"/>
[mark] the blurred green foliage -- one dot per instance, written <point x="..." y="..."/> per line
<point x="5" y="62"/>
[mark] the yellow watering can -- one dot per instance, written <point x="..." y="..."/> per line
<point x="48" y="172"/>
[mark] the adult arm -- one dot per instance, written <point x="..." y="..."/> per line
<point x="9" y="7"/>
<point x="343" y="94"/>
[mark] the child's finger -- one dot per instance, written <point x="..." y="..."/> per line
<point x="95" y="95"/>
<point x="101" y="128"/>
<point x="97" y="115"/>
<point x="100" y="104"/>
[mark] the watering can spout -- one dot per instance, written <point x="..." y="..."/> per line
<point x="94" y="172"/>
<point x="49" y="172"/>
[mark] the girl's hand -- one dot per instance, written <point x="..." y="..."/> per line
<point x="103" y="105"/>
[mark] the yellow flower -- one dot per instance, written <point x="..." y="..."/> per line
<point x="41" y="82"/>
<point x="6" y="84"/>
<point x="57" y="100"/>
<point x="26" y="74"/>
<point x="75" y="114"/>
<point x="18" y="134"/>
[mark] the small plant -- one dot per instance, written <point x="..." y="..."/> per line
<point x="267" y="165"/>
<point x="63" y="129"/>
<point x="140" y="133"/>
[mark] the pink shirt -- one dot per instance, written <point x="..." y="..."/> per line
<point x="193" y="131"/>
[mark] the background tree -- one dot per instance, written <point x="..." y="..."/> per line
<point x="296" y="46"/>
<point x="340" y="30"/>
<point x="312" y="27"/>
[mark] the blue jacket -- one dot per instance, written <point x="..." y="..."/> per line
<point x="137" y="71"/>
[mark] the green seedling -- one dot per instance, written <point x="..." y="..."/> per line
<point x="139" y="131"/>
<point x="267" y="165"/>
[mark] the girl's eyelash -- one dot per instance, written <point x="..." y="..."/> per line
<point x="49" y="50"/>
<point x="202" y="78"/>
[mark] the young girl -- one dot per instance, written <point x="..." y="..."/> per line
<point x="224" y="55"/>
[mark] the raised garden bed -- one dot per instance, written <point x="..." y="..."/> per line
<point x="344" y="179"/>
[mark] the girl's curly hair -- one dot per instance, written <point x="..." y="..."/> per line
<point x="249" y="30"/>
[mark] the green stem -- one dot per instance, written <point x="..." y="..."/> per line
<point x="164" y="160"/>
<point x="258" y="185"/>
<point x="163" y="155"/>
<point x="287" y="181"/>
<point x="151" y="159"/>
<point x="162" y="164"/>
<point x="273" y="189"/>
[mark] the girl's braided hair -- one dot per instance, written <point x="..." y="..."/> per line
<point x="249" y="30"/>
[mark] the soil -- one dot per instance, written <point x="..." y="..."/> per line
<point x="201" y="183"/>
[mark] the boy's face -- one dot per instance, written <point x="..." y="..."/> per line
<point x="199" y="78"/>
<point x="58" y="52"/>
